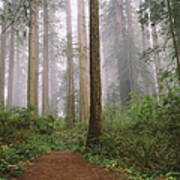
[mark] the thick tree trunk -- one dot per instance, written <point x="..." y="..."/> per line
<point x="46" y="62"/>
<point x="95" y="124"/>
<point x="3" y="52"/>
<point x="32" y="64"/>
<point x="70" y="83"/>
<point x="11" y="68"/>
<point x="83" y="63"/>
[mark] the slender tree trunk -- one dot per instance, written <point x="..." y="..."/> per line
<point x="32" y="64"/>
<point x="53" y="85"/>
<point x="53" y="76"/>
<point x="157" y="61"/>
<point x="70" y="84"/>
<point x="11" y="68"/>
<point x="37" y="63"/>
<point x="132" y="73"/>
<point x="3" y="52"/>
<point x="145" y="46"/>
<point x="95" y="124"/>
<point x="104" y="72"/>
<point x="121" y="33"/>
<point x="83" y="63"/>
<point x="17" y="91"/>
<point x="46" y="62"/>
<point x="176" y="14"/>
<point x="174" y="38"/>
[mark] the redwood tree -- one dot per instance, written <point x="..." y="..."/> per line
<point x="70" y="86"/>
<point x="11" y="68"/>
<point x="3" y="51"/>
<point x="95" y="76"/>
<point x="83" y="63"/>
<point x="45" y="61"/>
<point x="32" y="64"/>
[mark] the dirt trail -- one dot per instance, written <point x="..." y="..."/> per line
<point x="65" y="165"/>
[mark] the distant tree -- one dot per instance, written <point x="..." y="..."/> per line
<point x="3" y="51"/>
<point x="17" y="90"/>
<point x="46" y="60"/>
<point x="70" y="84"/>
<point x="11" y="68"/>
<point x="95" y="123"/>
<point x="83" y="63"/>
<point x="32" y="64"/>
<point x="164" y="15"/>
<point x="53" y="69"/>
<point x="172" y="29"/>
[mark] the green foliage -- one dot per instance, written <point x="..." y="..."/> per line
<point x="74" y="138"/>
<point x="146" y="145"/>
<point x="141" y="141"/>
<point x="24" y="137"/>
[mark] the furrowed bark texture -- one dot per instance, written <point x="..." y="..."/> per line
<point x="95" y="76"/>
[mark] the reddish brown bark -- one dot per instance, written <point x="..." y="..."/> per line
<point x="95" y="124"/>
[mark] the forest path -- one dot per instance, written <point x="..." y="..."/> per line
<point x="65" y="165"/>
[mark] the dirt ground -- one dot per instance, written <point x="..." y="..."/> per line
<point x="65" y="165"/>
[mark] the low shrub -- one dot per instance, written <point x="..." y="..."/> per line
<point x="24" y="137"/>
<point x="148" y="146"/>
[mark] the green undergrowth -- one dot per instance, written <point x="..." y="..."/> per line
<point x="141" y="142"/>
<point x="23" y="138"/>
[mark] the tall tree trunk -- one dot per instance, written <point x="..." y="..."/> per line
<point x="70" y="87"/>
<point x="83" y="63"/>
<point x="176" y="16"/>
<point x="53" y="85"/>
<point x="53" y="76"/>
<point x="95" y="124"/>
<point x="32" y="64"/>
<point x="121" y="33"/>
<point x="104" y="72"/>
<point x="143" y="33"/>
<point x="46" y="62"/>
<point x="132" y="73"/>
<point x="3" y="52"/>
<point x="174" y="39"/>
<point x="11" y="68"/>
<point x="37" y="63"/>
<point x="17" y="90"/>
<point x="157" y="60"/>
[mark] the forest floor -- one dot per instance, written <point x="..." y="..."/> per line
<point x="66" y="165"/>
